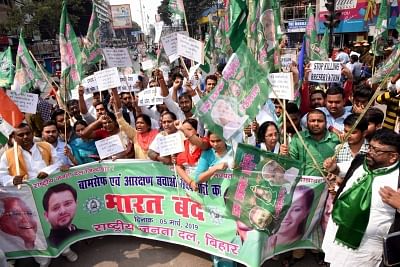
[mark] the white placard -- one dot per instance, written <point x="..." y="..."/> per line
<point x="90" y="84"/>
<point x="150" y="96"/>
<point x="26" y="102"/>
<point x="158" y="27"/>
<point x="190" y="48"/>
<point x="170" y="144"/>
<point x="147" y="64"/>
<point x="325" y="71"/>
<point x="286" y="60"/>
<point x="282" y="83"/>
<point x="169" y="42"/>
<point x="107" y="79"/>
<point x="172" y="58"/>
<point x="117" y="57"/>
<point x="109" y="146"/>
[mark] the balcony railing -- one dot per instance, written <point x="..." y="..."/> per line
<point x="295" y="13"/>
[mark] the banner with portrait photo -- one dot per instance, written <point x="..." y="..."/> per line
<point x="302" y="225"/>
<point x="237" y="97"/>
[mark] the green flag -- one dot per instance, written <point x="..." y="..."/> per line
<point x="381" y="30"/>
<point x="389" y="66"/>
<point x="237" y="97"/>
<point x="263" y="33"/>
<point x="25" y="70"/>
<point x="91" y="52"/>
<point x="235" y="22"/>
<point x="6" y="68"/>
<point x="71" y="56"/>
<point x="176" y="7"/>
<point x="321" y="51"/>
<point x="311" y="32"/>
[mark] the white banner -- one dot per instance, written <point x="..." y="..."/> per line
<point x="190" y="48"/>
<point x="109" y="146"/>
<point x="117" y="57"/>
<point x="282" y="83"/>
<point x="26" y="102"/>
<point x="107" y="79"/>
<point x="325" y="71"/>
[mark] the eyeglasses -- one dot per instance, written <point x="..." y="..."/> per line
<point x="375" y="150"/>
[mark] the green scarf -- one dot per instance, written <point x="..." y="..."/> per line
<point x="352" y="208"/>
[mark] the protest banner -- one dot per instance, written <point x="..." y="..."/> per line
<point x="169" y="43"/>
<point x="150" y="96"/>
<point x="147" y="64"/>
<point x="109" y="146"/>
<point x="238" y="96"/>
<point x="117" y="57"/>
<point x="325" y="72"/>
<point x="282" y="83"/>
<point x="171" y="144"/>
<point x="190" y="48"/>
<point x="144" y="199"/>
<point x="90" y="84"/>
<point x="26" y="102"/>
<point x="107" y="79"/>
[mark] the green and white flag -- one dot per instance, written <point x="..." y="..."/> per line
<point x="25" y="70"/>
<point x="311" y="32"/>
<point x="237" y="97"/>
<point x="321" y="51"/>
<point x="71" y="56"/>
<point x="176" y="7"/>
<point x="6" y="68"/>
<point x="381" y="29"/>
<point x="91" y="52"/>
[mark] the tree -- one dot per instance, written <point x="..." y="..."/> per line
<point x="43" y="16"/>
<point x="164" y="12"/>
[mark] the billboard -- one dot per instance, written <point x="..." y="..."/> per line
<point x="121" y="16"/>
<point x="355" y="17"/>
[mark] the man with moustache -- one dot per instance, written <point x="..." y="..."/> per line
<point x="59" y="203"/>
<point x="361" y="217"/>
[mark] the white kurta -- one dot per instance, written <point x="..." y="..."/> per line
<point x="381" y="218"/>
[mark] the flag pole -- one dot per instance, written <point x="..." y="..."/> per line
<point x="65" y="113"/>
<point x="41" y="70"/>
<point x="284" y="123"/>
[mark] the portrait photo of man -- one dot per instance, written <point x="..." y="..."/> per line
<point x="59" y="203"/>
<point x="20" y="227"/>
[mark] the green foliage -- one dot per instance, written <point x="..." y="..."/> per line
<point x="44" y="16"/>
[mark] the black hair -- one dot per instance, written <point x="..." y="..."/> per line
<point x="80" y="122"/>
<point x="177" y="75"/>
<point x="49" y="123"/>
<point x="192" y="122"/>
<point x="292" y="108"/>
<point x="362" y="91"/>
<point x="57" y="189"/>
<point x="351" y="120"/>
<point x="56" y="113"/>
<point x="387" y="137"/>
<point x="318" y="92"/>
<point x="316" y="111"/>
<point x="71" y="102"/>
<point x="185" y="95"/>
<point x="145" y="118"/>
<point x="167" y="112"/>
<point x="374" y="115"/>
<point x="220" y="67"/>
<point x="263" y="129"/>
<point x="211" y="77"/>
<point x="335" y="90"/>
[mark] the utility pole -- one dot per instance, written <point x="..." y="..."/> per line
<point x="332" y="20"/>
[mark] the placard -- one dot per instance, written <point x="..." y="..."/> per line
<point x="150" y="96"/>
<point x="26" y="102"/>
<point x="107" y="79"/>
<point x="325" y="71"/>
<point x="190" y="48"/>
<point x="90" y="84"/>
<point x="117" y="57"/>
<point x="147" y="64"/>
<point x="158" y="27"/>
<point x="169" y="42"/>
<point x="109" y="146"/>
<point x="282" y="83"/>
<point x="170" y="144"/>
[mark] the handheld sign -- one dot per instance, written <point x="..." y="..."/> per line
<point x="190" y="48"/>
<point x="282" y="83"/>
<point x="171" y="144"/>
<point x="150" y="96"/>
<point x="325" y="72"/>
<point x="109" y="146"/>
<point x="26" y="102"/>
<point x="90" y="84"/>
<point x="108" y="78"/>
<point x="147" y="64"/>
<point x="117" y="57"/>
<point x="169" y="42"/>
<point x="158" y="27"/>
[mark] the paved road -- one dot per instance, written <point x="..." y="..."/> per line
<point x="123" y="251"/>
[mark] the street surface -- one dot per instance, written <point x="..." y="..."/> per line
<point x="125" y="251"/>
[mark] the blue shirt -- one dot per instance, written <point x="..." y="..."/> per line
<point x="209" y="158"/>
